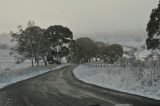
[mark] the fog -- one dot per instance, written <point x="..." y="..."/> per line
<point x="81" y="16"/>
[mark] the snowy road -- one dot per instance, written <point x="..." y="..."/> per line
<point x="61" y="88"/>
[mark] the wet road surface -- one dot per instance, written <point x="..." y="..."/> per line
<point x="61" y="88"/>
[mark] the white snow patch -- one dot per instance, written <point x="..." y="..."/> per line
<point x="126" y="49"/>
<point x="125" y="55"/>
<point x="10" y="77"/>
<point x="142" y="54"/>
<point x="118" y="79"/>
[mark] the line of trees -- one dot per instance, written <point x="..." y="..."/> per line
<point x="56" y="42"/>
<point x="36" y="44"/>
<point x="86" y="50"/>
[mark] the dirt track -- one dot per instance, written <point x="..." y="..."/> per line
<point x="61" y="88"/>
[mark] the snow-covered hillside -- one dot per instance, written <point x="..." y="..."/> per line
<point x="129" y="39"/>
<point x="7" y="56"/>
<point x="133" y="44"/>
<point x="125" y="80"/>
<point x="5" y="39"/>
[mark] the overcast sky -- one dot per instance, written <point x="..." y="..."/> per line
<point x="81" y="16"/>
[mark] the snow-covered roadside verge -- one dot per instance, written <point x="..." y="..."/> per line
<point x="14" y="76"/>
<point x="10" y="72"/>
<point x="114" y="78"/>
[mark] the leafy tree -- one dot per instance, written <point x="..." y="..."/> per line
<point x="59" y="37"/>
<point x="100" y="49"/>
<point x="30" y="42"/>
<point x="113" y="52"/>
<point x="45" y="46"/>
<point x="83" y="49"/>
<point x="153" y="29"/>
<point x="49" y="44"/>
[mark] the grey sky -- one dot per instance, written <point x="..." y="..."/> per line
<point x="81" y="16"/>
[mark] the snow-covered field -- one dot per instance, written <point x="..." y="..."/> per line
<point x="10" y="77"/>
<point x="120" y="79"/>
<point x="10" y="72"/>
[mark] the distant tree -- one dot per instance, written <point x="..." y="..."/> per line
<point x="100" y="49"/>
<point x="153" y="29"/>
<point x="113" y="52"/>
<point x="59" y="37"/>
<point x="83" y="49"/>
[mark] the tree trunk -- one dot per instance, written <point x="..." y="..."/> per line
<point x="32" y="54"/>
<point x="32" y="59"/>
<point x="37" y="62"/>
<point x="32" y="62"/>
<point x="37" y="59"/>
<point x="44" y="60"/>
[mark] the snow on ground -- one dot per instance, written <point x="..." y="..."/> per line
<point x="10" y="77"/>
<point x="10" y="72"/>
<point x="118" y="79"/>
<point x="126" y="49"/>
<point x="7" y="61"/>
<point x="141" y="54"/>
<point x="5" y="39"/>
<point x="130" y="39"/>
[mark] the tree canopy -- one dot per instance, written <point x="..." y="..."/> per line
<point x="47" y="44"/>
<point x="153" y="29"/>
<point x="113" y="52"/>
<point x="84" y="49"/>
<point x="59" y="37"/>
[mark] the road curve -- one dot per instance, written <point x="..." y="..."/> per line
<point x="61" y="88"/>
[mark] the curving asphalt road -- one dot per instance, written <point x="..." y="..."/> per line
<point x="61" y="88"/>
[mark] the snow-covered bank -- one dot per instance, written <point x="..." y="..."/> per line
<point x="10" y="72"/>
<point x="10" y="77"/>
<point x="118" y="79"/>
